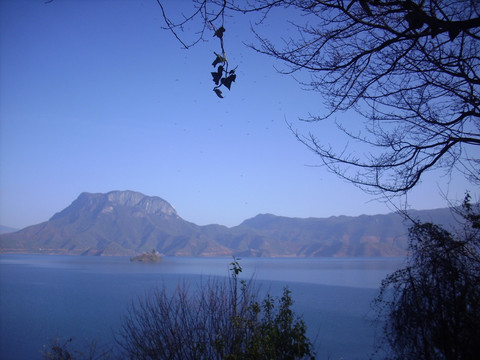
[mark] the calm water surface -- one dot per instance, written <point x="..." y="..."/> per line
<point x="44" y="297"/>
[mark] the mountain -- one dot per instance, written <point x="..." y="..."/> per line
<point x="6" y="229"/>
<point x="128" y="223"/>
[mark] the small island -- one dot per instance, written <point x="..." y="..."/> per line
<point x="147" y="257"/>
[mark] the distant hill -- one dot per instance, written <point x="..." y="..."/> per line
<point x="6" y="229"/>
<point x="129" y="223"/>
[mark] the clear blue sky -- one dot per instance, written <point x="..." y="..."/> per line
<point x="95" y="96"/>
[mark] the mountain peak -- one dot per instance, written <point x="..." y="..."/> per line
<point x="100" y="203"/>
<point x="132" y="199"/>
<point x="124" y="198"/>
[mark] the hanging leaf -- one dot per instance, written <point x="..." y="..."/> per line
<point x="218" y="92"/>
<point x="217" y="75"/>
<point x="219" y="59"/>
<point x="228" y="80"/>
<point x="219" y="32"/>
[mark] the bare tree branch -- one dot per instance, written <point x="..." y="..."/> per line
<point x="410" y="68"/>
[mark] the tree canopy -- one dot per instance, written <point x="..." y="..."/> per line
<point x="410" y="68"/>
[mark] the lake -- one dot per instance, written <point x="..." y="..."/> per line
<point x="44" y="297"/>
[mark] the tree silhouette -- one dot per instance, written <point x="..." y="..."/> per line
<point x="410" y="68"/>
<point x="431" y="308"/>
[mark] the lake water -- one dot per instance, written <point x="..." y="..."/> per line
<point x="44" y="297"/>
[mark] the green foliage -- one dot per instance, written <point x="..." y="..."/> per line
<point x="269" y="330"/>
<point x="277" y="334"/>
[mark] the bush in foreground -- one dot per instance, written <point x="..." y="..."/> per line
<point x="219" y="319"/>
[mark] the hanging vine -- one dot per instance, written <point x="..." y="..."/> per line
<point x="209" y="12"/>
<point x="222" y="76"/>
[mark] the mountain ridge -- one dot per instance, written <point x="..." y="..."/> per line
<point x="129" y="223"/>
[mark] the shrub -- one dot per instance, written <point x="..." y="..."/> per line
<point x="431" y="308"/>
<point x="221" y="319"/>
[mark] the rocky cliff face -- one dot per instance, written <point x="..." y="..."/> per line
<point x="128" y="223"/>
<point x="136" y="203"/>
<point x="148" y="204"/>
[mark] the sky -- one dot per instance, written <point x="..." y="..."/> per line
<point x="95" y="96"/>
